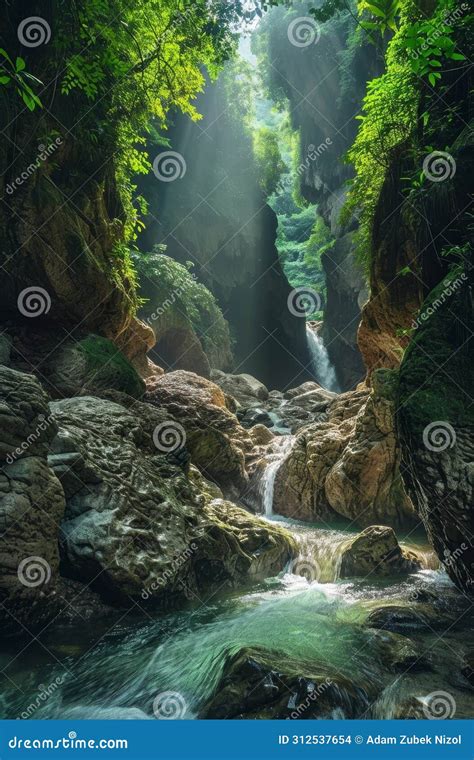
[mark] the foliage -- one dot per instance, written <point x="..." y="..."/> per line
<point x="15" y="74"/>
<point x="391" y="109"/>
<point x="270" y="165"/>
<point x="174" y="288"/>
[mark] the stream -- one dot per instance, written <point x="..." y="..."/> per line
<point x="116" y="670"/>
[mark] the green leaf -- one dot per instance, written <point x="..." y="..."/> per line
<point x="4" y="79"/>
<point x="457" y="57"/>
<point x="20" y="64"/>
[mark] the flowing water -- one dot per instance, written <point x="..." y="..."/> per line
<point x="116" y="668"/>
<point x="282" y="445"/>
<point x="320" y="362"/>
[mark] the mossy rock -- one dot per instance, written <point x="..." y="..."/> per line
<point x="92" y="365"/>
<point x="435" y="420"/>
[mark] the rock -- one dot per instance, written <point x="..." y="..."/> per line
<point x="348" y="464"/>
<point x="259" y="683"/>
<point x="255" y="416"/>
<point x="215" y="439"/>
<point x="247" y="390"/>
<point x="5" y="349"/>
<point x="92" y="365"/>
<point x="376" y="551"/>
<point x="401" y="618"/>
<point x="400" y="653"/>
<point x="134" y="525"/>
<point x="436" y="424"/>
<point x="32" y="504"/>
<point x="260" y="435"/>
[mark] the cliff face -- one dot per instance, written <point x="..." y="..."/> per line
<point x="436" y="423"/>
<point x="215" y="216"/>
<point x="61" y="218"/>
<point x="324" y="84"/>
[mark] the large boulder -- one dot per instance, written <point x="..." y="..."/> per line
<point x="375" y="552"/>
<point x="31" y="509"/>
<point x="216" y="441"/>
<point x="436" y="424"/>
<point x="247" y="390"/>
<point x="260" y="683"/>
<point x="134" y="524"/>
<point x="347" y="464"/>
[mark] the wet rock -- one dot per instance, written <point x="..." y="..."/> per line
<point x="401" y="618"/>
<point x="5" y="349"/>
<point x="91" y="365"/>
<point x="259" y="683"/>
<point x="255" y="416"/>
<point x="347" y="464"/>
<point x="260" y="435"/>
<point x="246" y="390"/>
<point x="400" y="653"/>
<point x="375" y="552"/>
<point x="215" y="439"/>
<point x="135" y="525"/>
<point x="436" y="425"/>
<point x="31" y="497"/>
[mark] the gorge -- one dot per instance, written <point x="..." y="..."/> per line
<point x="236" y="421"/>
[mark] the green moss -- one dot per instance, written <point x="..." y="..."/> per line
<point x="437" y="373"/>
<point x="107" y="367"/>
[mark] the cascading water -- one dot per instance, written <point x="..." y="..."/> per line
<point x="320" y="362"/>
<point x="283" y="445"/>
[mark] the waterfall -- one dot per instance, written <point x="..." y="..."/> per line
<point x="268" y="478"/>
<point x="320" y="362"/>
